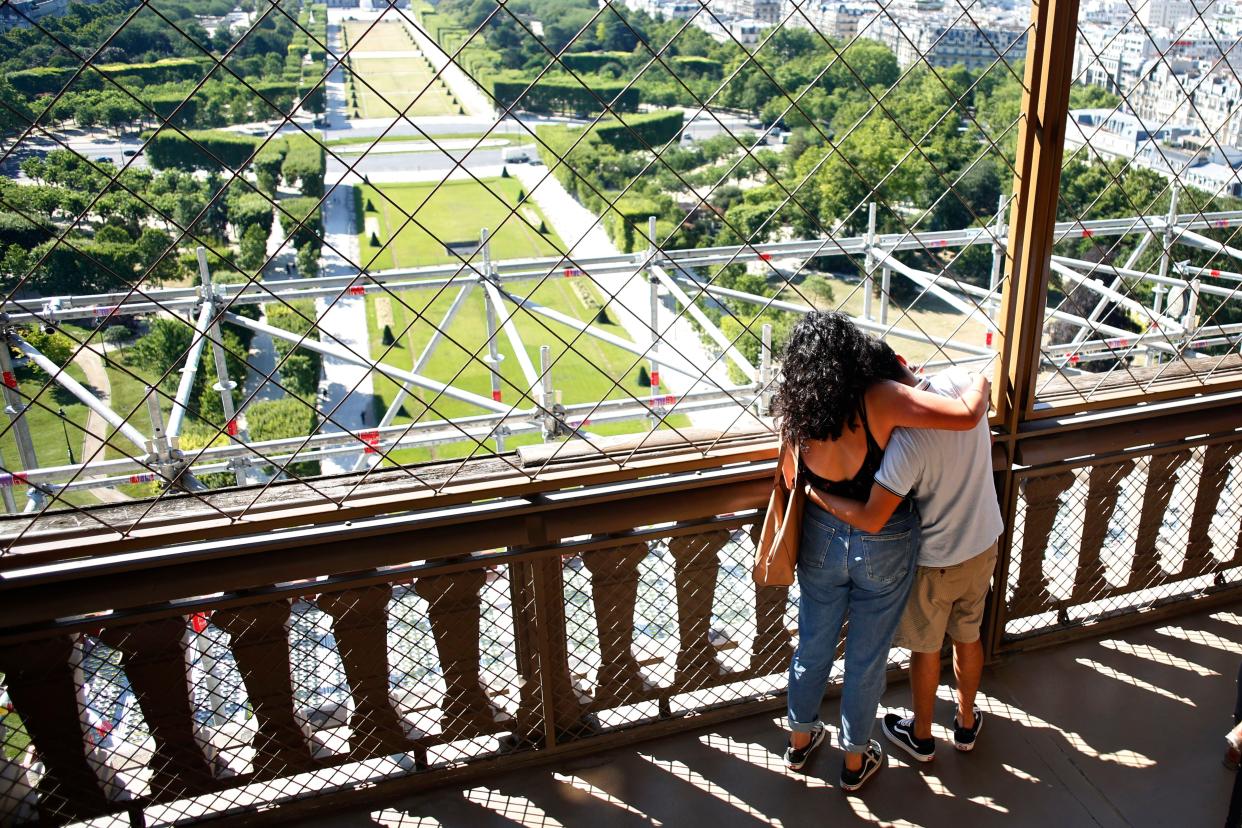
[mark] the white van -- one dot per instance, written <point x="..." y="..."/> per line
<point x="516" y="155"/>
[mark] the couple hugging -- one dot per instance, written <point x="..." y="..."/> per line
<point x="898" y="534"/>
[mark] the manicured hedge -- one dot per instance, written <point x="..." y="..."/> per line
<point x="249" y="210"/>
<point x="293" y="210"/>
<point x="564" y="94"/>
<point x="304" y="163"/>
<point x="49" y="79"/>
<point x="195" y="149"/>
<point x="653" y="128"/>
<point x="592" y="61"/>
<point x="695" y="65"/>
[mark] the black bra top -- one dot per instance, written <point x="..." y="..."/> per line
<point x="859" y="486"/>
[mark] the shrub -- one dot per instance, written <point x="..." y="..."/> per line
<point x="206" y="149"/>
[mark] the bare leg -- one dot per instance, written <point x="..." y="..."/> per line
<point x="968" y="669"/>
<point x="798" y="739"/>
<point x="924" y="679"/>
<point x="853" y="761"/>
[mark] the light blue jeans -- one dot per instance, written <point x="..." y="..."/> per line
<point x="843" y="571"/>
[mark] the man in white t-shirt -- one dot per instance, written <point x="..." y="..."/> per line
<point x="949" y="476"/>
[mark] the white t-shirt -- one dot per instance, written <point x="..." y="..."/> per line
<point x="949" y="475"/>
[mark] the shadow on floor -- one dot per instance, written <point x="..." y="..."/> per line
<point x="1115" y="731"/>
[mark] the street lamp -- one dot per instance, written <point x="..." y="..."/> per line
<point x="65" y="428"/>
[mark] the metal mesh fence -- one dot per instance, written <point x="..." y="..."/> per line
<point x="1146" y="303"/>
<point x="1093" y="541"/>
<point x="435" y="232"/>
<point x="187" y="716"/>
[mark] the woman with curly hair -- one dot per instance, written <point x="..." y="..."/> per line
<point x="842" y="393"/>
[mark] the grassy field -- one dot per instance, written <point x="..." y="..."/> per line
<point x="582" y="374"/>
<point x="454" y="213"/>
<point x="384" y="36"/>
<point x="392" y="84"/>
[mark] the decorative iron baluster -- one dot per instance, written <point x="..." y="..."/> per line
<point x="1217" y="463"/>
<point x="1043" y="501"/>
<point x="1103" y="492"/>
<point x="1161" y="480"/>
<point x="454" y="608"/>
<point x="259" y="641"/>
<point x="696" y="565"/>
<point x="614" y="591"/>
<point x="155" y="658"/>
<point x="360" y="626"/>
<point x="43" y="683"/>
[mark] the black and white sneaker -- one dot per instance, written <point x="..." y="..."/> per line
<point x="964" y="737"/>
<point x="901" y="733"/>
<point x="873" y="759"/>
<point x="795" y="758"/>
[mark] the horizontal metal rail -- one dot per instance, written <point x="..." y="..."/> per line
<point x="415" y="278"/>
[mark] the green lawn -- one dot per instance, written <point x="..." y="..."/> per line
<point x="384" y="36"/>
<point x="392" y="84"/>
<point x="455" y="212"/>
<point x="48" y="432"/>
<point x="582" y="374"/>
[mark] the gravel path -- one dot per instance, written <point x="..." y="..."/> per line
<point x="91" y="363"/>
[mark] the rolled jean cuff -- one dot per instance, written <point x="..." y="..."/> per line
<point x="805" y="727"/>
<point x="848" y="748"/>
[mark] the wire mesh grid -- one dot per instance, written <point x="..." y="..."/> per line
<point x="1095" y="541"/>
<point x="382" y="266"/>
<point x="1142" y="295"/>
<point x="184" y="717"/>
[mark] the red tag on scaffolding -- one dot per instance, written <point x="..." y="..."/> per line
<point x="987" y="340"/>
<point x="1086" y="234"/>
<point x="1221" y="223"/>
<point x="496" y="395"/>
<point x="670" y="400"/>
<point x="198" y="621"/>
<point x="570" y="272"/>
<point x="1073" y="359"/>
<point x="146" y="477"/>
<point x="10" y="379"/>
<point x="939" y="243"/>
<point x="765" y="257"/>
<point x="231" y="428"/>
<point x="655" y="379"/>
<point x="357" y="290"/>
<point x="1214" y="272"/>
<point x="371" y="438"/>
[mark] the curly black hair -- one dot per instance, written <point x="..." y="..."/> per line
<point x="828" y="364"/>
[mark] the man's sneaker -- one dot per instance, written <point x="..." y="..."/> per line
<point x="872" y="759"/>
<point x="901" y="733"/>
<point x="964" y="737"/>
<point x="795" y="758"/>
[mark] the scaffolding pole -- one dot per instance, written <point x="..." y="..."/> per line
<point x="223" y="385"/>
<point x="494" y="356"/>
<point x="726" y="346"/>
<point x="345" y="355"/>
<point x="16" y="409"/>
<point x="404" y="390"/>
<point x="189" y="371"/>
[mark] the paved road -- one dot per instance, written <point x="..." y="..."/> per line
<point x="378" y="164"/>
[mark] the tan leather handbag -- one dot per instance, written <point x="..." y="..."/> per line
<point x="776" y="553"/>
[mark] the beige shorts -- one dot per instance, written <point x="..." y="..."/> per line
<point x="946" y="600"/>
